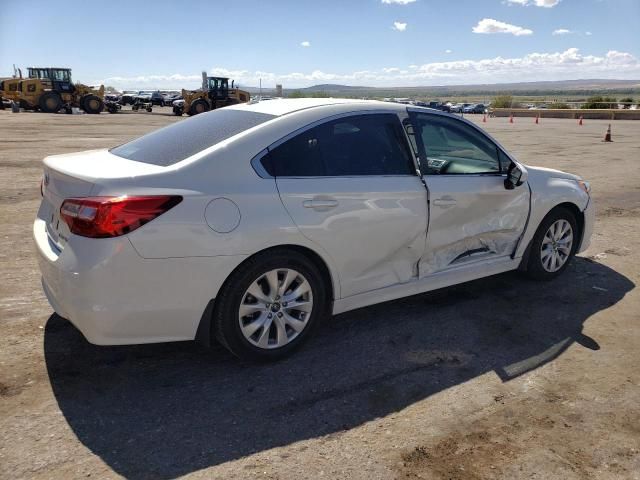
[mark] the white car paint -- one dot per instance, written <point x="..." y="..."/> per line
<point x="380" y="237"/>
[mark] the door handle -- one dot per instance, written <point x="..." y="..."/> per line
<point x="444" y="202"/>
<point x="320" y="204"/>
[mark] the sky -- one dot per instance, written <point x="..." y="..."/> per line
<point x="166" y="44"/>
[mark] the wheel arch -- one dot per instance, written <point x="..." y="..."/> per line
<point x="203" y="333"/>
<point x="580" y="221"/>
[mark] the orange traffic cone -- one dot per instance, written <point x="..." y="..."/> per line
<point x="607" y="136"/>
<point x="580" y="121"/>
<point x="537" y="119"/>
<point x="511" y="118"/>
<point x="484" y="118"/>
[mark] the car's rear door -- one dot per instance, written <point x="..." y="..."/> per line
<point x="472" y="216"/>
<point x="350" y="185"/>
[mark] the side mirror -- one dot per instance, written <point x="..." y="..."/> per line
<point x="516" y="176"/>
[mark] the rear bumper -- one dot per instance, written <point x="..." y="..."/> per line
<point x="589" y="222"/>
<point x="115" y="297"/>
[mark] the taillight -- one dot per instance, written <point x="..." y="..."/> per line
<point x="103" y="217"/>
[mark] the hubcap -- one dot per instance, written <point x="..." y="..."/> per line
<point x="556" y="246"/>
<point x="276" y="308"/>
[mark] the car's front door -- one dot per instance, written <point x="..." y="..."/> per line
<point x="472" y="216"/>
<point x="350" y="185"/>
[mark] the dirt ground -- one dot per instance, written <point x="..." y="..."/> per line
<point x="499" y="378"/>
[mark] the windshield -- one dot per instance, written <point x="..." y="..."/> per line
<point x="183" y="139"/>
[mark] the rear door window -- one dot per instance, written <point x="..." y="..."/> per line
<point x="371" y="144"/>
<point x="179" y="141"/>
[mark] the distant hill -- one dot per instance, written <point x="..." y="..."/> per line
<point x="584" y="87"/>
<point x="331" y="87"/>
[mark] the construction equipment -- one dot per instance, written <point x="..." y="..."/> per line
<point x="214" y="94"/>
<point x="50" y="89"/>
<point x="9" y="87"/>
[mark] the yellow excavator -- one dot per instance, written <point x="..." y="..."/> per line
<point x="49" y="89"/>
<point x="217" y="94"/>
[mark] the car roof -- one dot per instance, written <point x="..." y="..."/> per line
<point x="284" y="106"/>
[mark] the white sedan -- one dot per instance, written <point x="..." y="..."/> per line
<point x="251" y="224"/>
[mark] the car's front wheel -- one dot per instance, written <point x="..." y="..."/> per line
<point x="553" y="245"/>
<point x="270" y="305"/>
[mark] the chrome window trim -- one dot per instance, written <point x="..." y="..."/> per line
<point x="258" y="167"/>
<point x="256" y="162"/>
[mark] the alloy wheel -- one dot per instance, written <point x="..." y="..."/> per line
<point x="275" y="308"/>
<point x="556" y="245"/>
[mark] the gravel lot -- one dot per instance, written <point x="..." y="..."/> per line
<point x="499" y="378"/>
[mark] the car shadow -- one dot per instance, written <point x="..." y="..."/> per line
<point x="160" y="411"/>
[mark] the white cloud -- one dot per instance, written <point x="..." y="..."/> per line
<point x="546" y="3"/>
<point x="569" y="64"/>
<point x="305" y="44"/>
<point x="561" y="31"/>
<point x="448" y="50"/>
<point x="537" y="3"/>
<point x="398" y="2"/>
<point x="489" y="25"/>
<point x="588" y="34"/>
<point x="400" y="26"/>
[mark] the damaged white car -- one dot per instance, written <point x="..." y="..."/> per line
<point x="252" y="223"/>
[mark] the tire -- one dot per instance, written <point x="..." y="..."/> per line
<point x="50" y="102"/>
<point x="199" y="106"/>
<point x="149" y="109"/>
<point x="548" y="245"/>
<point x="275" y="320"/>
<point x="92" y="104"/>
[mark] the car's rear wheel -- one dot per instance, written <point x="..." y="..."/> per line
<point x="270" y="305"/>
<point x="553" y="245"/>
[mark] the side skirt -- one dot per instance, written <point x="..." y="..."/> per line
<point x="452" y="276"/>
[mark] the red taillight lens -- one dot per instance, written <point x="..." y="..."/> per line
<point x="103" y="217"/>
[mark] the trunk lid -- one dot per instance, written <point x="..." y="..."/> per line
<point x="75" y="175"/>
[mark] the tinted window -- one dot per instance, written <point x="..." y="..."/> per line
<point x="176" y="142"/>
<point x="453" y="147"/>
<point x="357" y="145"/>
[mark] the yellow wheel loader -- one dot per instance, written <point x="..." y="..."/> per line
<point x="216" y="95"/>
<point x="9" y="89"/>
<point x="51" y="89"/>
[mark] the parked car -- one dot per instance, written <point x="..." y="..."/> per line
<point x="435" y="105"/>
<point x="170" y="97"/>
<point x="477" y="108"/>
<point x="143" y="96"/>
<point x="156" y="98"/>
<point x="112" y="97"/>
<point x="459" y="107"/>
<point x="128" y="97"/>
<point x="251" y="224"/>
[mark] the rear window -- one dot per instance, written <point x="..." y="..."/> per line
<point x="176" y="142"/>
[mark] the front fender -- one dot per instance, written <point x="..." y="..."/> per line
<point x="547" y="192"/>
